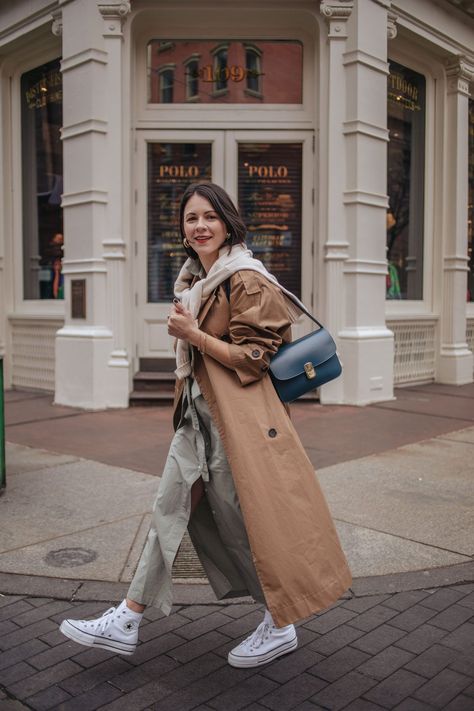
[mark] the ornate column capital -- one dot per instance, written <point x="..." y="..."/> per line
<point x="114" y="13"/>
<point x="57" y="26"/>
<point x="392" y="18"/>
<point x="336" y="12"/>
<point x="460" y="74"/>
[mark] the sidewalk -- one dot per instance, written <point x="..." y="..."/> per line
<point x="399" y="480"/>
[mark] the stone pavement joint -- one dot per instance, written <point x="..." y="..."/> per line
<point x="403" y="650"/>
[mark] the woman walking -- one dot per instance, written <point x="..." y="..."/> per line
<point x="236" y="475"/>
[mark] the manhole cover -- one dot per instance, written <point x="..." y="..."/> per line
<point x="70" y="557"/>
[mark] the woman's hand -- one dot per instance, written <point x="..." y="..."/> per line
<point x="181" y="324"/>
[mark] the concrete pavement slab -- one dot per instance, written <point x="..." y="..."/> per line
<point x="371" y="552"/>
<point x="99" y="553"/>
<point x="421" y="492"/>
<point x="434" y="402"/>
<point x="20" y="459"/>
<point x="466" y="435"/>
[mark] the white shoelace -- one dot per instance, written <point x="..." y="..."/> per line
<point x="105" y="620"/>
<point x="258" y="637"/>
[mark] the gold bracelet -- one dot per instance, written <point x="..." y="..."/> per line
<point x="202" y="345"/>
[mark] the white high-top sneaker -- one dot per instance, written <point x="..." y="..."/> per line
<point x="264" y="645"/>
<point x="116" y="630"/>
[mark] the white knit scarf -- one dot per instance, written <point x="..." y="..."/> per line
<point x="193" y="297"/>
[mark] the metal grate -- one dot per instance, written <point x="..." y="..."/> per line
<point x="414" y="351"/>
<point x="33" y="353"/>
<point x="187" y="563"/>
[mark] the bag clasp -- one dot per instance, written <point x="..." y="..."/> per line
<point x="309" y="370"/>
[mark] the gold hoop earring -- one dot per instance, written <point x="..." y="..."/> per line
<point x="186" y="243"/>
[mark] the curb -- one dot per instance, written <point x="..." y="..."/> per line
<point x="202" y="594"/>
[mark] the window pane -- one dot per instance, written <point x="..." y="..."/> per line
<point x="470" y="216"/>
<point x="171" y="168"/>
<point x="42" y="182"/>
<point x="406" y="164"/>
<point x="225" y="75"/>
<point x="270" y="204"/>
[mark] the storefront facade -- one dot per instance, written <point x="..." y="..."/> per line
<point x="344" y="130"/>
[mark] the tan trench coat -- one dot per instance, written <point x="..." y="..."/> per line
<point x="296" y="550"/>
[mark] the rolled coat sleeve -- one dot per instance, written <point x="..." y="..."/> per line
<point x="258" y="325"/>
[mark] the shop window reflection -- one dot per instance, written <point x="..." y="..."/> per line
<point x="406" y="165"/>
<point x="470" y="214"/>
<point x="166" y="85"/>
<point x="221" y="70"/>
<point x="226" y="71"/>
<point x="42" y="182"/>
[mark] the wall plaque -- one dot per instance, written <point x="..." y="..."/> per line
<point x="78" y="298"/>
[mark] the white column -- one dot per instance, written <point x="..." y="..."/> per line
<point x="114" y="247"/>
<point x="455" y="360"/>
<point x="336" y="246"/>
<point x="90" y="356"/>
<point x="366" y="344"/>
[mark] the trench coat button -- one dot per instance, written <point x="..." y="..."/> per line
<point x="272" y="432"/>
<point x="255" y="353"/>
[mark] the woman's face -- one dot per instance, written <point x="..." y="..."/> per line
<point x="204" y="229"/>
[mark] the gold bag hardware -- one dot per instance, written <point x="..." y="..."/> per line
<point x="309" y="370"/>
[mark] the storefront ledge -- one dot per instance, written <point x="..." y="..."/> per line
<point x="356" y="334"/>
<point x="97" y="332"/>
<point x="200" y="593"/>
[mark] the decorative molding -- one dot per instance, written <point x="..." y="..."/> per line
<point x="456" y="263"/>
<point x="85" y="197"/>
<point x="364" y="128"/>
<point x="98" y="332"/>
<point x="83" y="127"/>
<point x="364" y="197"/>
<point x="358" y="56"/>
<point x="57" y="25"/>
<point x="336" y="251"/>
<point x="114" y="15"/>
<point x="113" y="249"/>
<point x="392" y="29"/>
<point x="336" y="12"/>
<point x="84" y="57"/>
<point x="365" y="266"/>
<point x="460" y="73"/>
<point x="84" y="266"/>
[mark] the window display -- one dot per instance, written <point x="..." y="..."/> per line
<point x="406" y="165"/>
<point x="42" y="182"/>
<point x="171" y="168"/>
<point x="269" y="200"/>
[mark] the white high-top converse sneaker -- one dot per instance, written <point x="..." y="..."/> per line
<point x="264" y="645"/>
<point x="116" y="630"/>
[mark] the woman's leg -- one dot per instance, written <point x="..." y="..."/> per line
<point x="197" y="492"/>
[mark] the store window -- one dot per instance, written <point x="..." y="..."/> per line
<point x="166" y="85"/>
<point x="192" y="78"/>
<point x="253" y="69"/>
<point x="470" y="214"/>
<point x="269" y="197"/>
<point x="406" y="165"/>
<point x="42" y="182"/>
<point x="171" y="168"/>
<point x="229" y="71"/>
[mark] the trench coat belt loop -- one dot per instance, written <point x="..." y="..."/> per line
<point x="200" y="442"/>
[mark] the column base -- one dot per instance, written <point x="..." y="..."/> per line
<point x="86" y="375"/>
<point x="455" y="365"/>
<point x="367" y="368"/>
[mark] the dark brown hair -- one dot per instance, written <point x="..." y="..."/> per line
<point x="224" y="207"/>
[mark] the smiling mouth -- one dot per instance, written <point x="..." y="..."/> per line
<point x="200" y="240"/>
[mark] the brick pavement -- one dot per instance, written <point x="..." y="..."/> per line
<point x="411" y="651"/>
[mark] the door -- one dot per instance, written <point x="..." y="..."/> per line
<point x="270" y="176"/>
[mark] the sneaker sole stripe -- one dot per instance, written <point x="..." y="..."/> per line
<point x="90" y="640"/>
<point x="255" y="661"/>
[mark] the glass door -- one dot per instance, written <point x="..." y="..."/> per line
<point x="268" y="174"/>
<point x="167" y="162"/>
